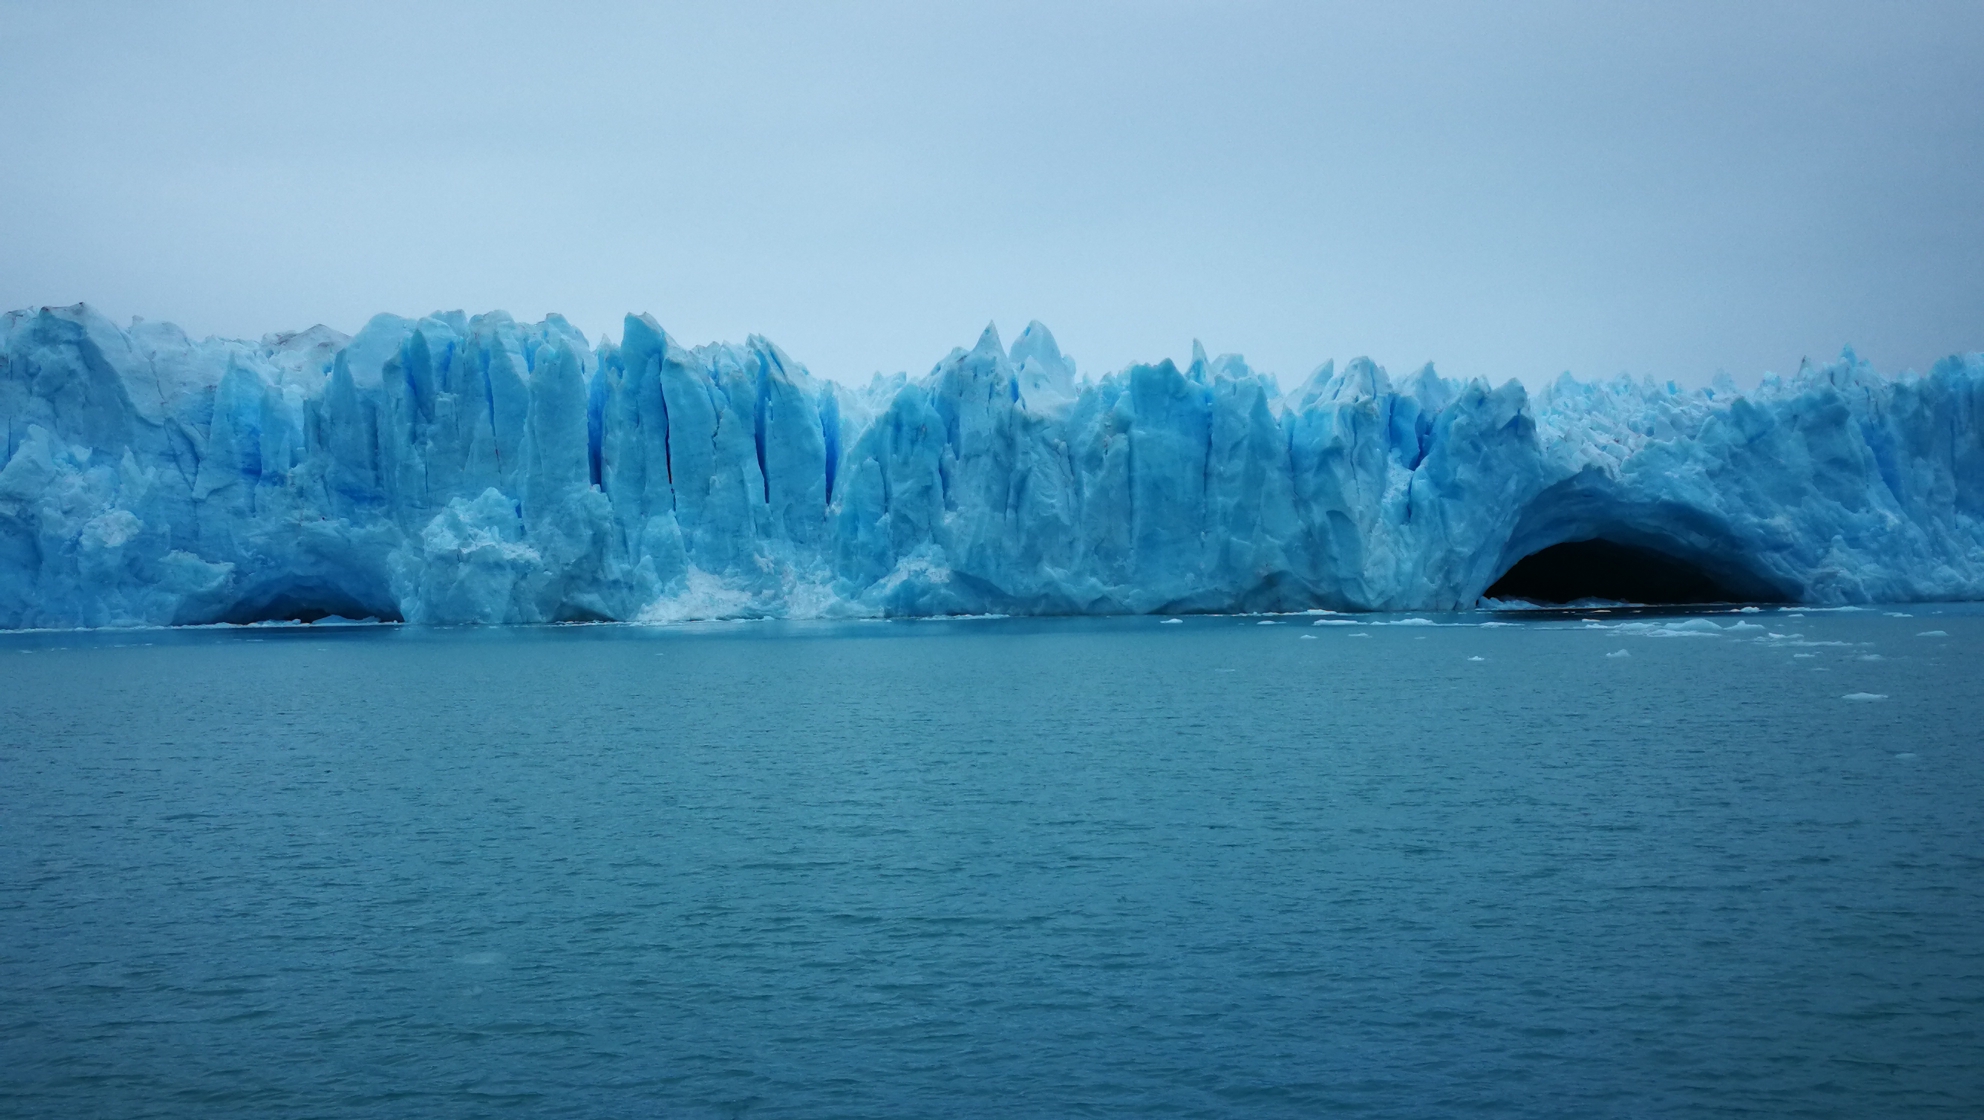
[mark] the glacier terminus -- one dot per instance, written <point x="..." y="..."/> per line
<point x="457" y="469"/>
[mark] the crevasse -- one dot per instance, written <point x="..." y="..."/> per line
<point x="478" y="470"/>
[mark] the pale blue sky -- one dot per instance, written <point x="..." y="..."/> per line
<point x="1505" y="190"/>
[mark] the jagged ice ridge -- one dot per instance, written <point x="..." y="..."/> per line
<point x="480" y="470"/>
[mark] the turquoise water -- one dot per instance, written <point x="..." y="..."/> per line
<point x="997" y="868"/>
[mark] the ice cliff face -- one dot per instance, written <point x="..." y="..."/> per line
<point x="455" y="469"/>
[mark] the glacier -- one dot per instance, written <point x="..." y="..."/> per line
<point x="455" y="469"/>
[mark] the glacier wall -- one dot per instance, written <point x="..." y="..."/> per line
<point x="480" y="470"/>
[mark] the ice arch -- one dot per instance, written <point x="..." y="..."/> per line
<point x="1583" y="539"/>
<point x="301" y="598"/>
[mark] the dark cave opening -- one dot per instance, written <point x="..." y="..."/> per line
<point x="1622" y="573"/>
<point x="307" y="607"/>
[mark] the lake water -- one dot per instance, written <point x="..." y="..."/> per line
<point x="998" y="868"/>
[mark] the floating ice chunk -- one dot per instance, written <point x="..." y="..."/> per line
<point x="1172" y="622"/>
<point x="1865" y="696"/>
<point x="1798" y="655"/>
<point x="1933" y="634"/>
<point x="1477" y="659"/>
<point x="1870" y="657"/>
<point x="1748" y="610"/>
<point x="1415" y="622"/>
<point x="1686" y="628"/>
<point x="1744" y="626"/>
<point x="1360" y="634"/>
<point x="1335" y="622"/>
<point x="1308" y="637"/>
<point x="1899" y="614"/>
<point x="1620" y="653"/>
<point x="1268" y="622"/>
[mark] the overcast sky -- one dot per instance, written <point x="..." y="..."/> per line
<point x="1507" y="191"/>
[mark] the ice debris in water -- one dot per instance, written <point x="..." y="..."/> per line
<point x="457" y="469"/>
<point x="1686" y="628"/>
<point x="1620" y="653"/>
<point x="1172" y="622"/>
<point x="1865" y="696"/>
<point x="1933" y="634"/>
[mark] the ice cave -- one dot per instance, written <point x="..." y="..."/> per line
<point x="1608" y="571"/>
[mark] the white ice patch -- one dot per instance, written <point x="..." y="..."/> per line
<point x="1933" y="634"/>
<point x="1620" y="653"/>
<point x="1686" y="628"/>
<point x="1865" y="696"/>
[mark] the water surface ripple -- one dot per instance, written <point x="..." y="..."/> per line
<point x="997" y="868"/>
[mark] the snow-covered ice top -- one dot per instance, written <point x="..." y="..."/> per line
<point x="455" y="469"/>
